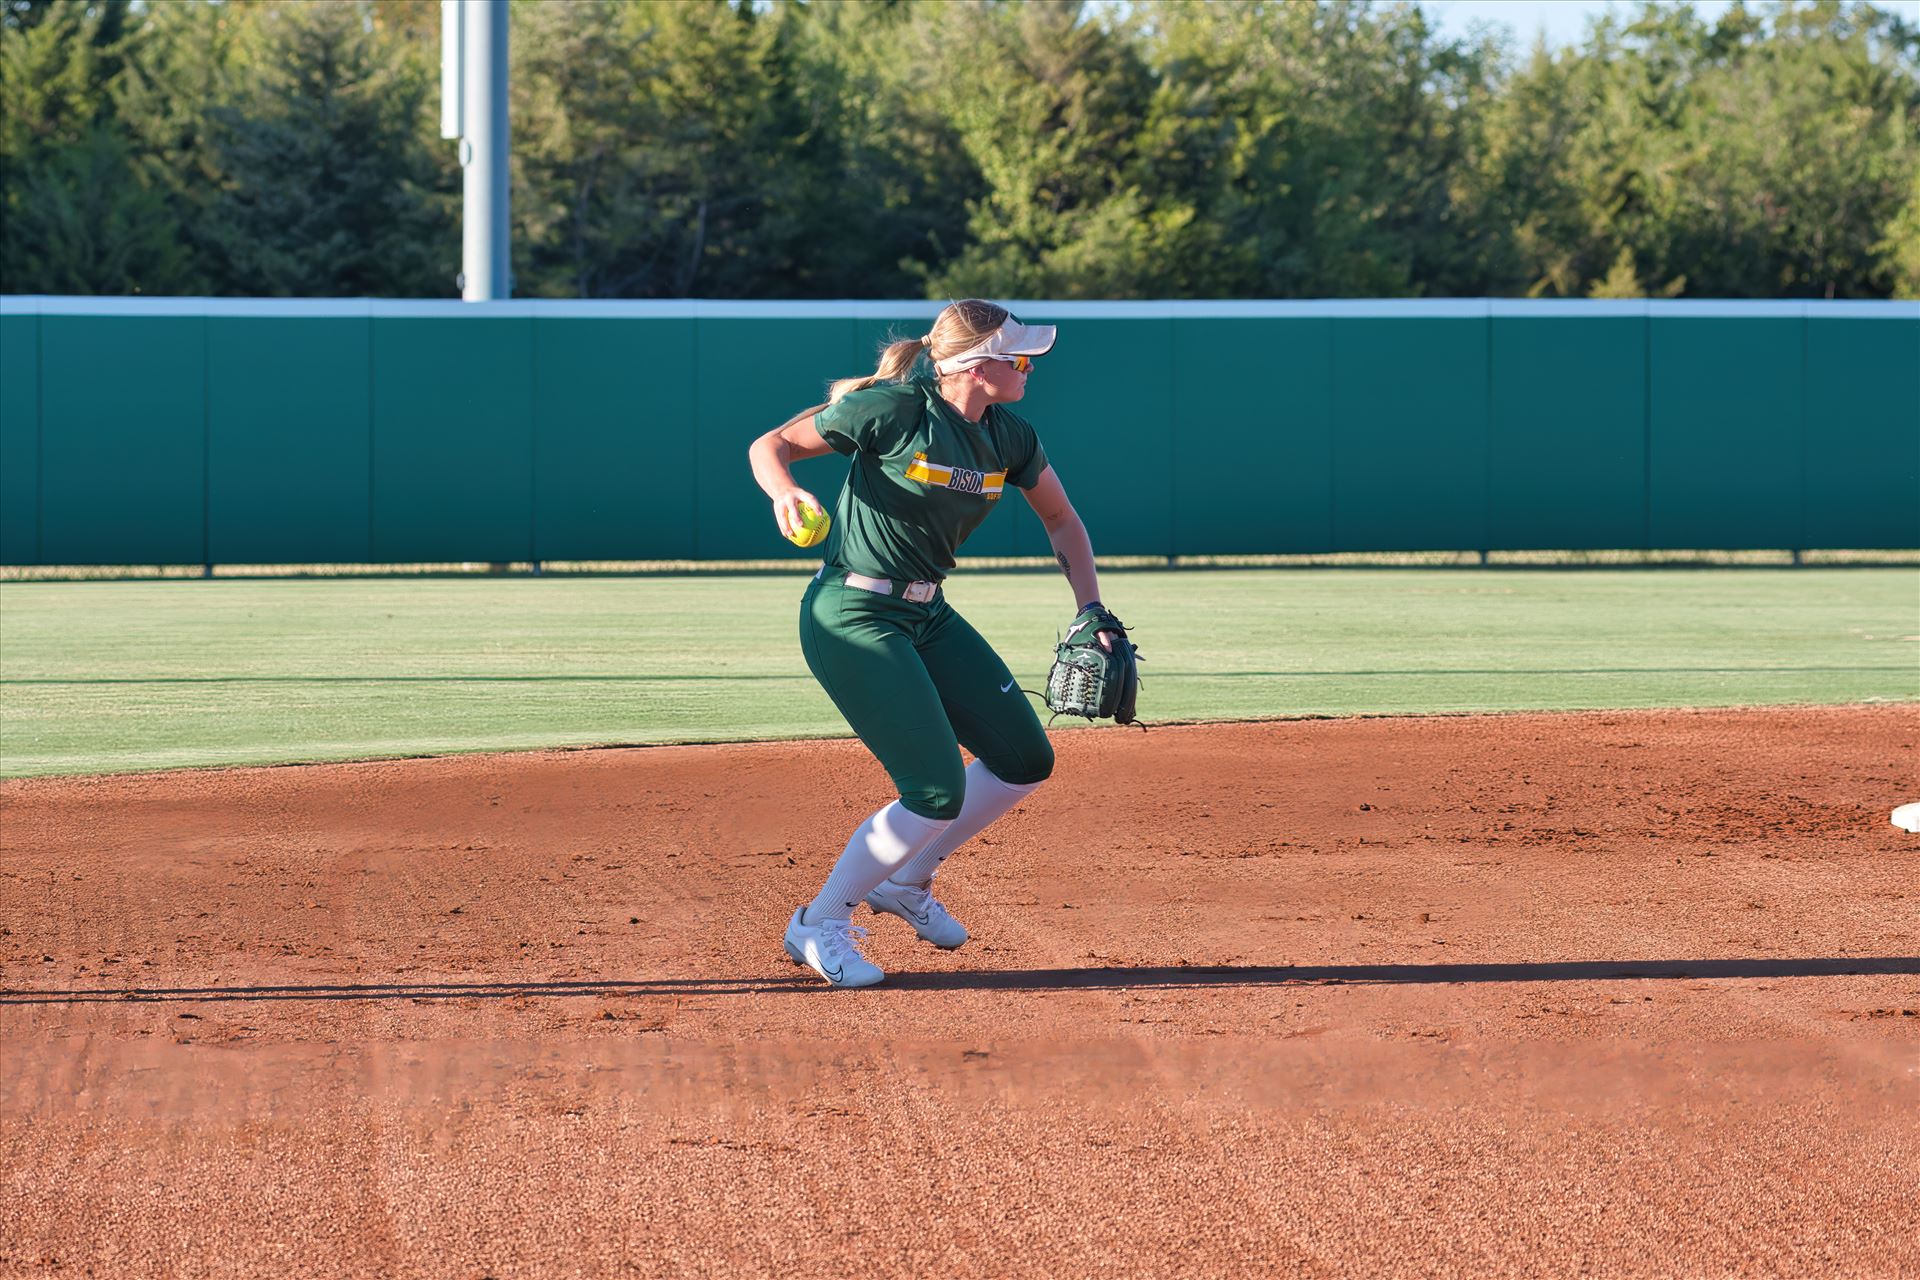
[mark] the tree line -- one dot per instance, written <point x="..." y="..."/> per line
<point x="931" y="148"/>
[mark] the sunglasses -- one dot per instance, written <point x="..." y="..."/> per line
<point x="1023" y="364"/>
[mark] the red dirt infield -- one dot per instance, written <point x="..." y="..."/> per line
<point x="1617" y="994"/>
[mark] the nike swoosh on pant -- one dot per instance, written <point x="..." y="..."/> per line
<point x="1008" y="685"/>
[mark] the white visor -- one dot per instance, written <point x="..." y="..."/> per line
<point x="1011" y="339"/>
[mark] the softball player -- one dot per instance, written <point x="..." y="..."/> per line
<point x="931" y="457"/>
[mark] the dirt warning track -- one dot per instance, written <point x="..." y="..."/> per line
<point x="1618" y="994"/>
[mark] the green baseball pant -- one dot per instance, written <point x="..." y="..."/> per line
<point x="917" y="682"/>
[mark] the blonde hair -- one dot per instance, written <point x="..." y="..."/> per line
<point x="959" y="326"/>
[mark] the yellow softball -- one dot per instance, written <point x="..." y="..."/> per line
<point x="813" y="527"/>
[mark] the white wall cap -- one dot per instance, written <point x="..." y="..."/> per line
<point x="1039" y="310"/>
<point x="1571" y="308"/>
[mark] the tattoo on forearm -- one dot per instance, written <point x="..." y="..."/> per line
<point x="1065" y="567"/>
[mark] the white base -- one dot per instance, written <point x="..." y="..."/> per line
<point x="1907" y="817"/>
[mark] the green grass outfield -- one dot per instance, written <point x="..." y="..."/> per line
<point x="108" y="676"/>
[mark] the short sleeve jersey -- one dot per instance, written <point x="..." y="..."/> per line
<point x="923" y="477"/>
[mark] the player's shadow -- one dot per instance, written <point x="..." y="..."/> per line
<point x="1398" y="974"/>
<point x="1101" y="979"/>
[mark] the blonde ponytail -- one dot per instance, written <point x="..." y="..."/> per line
<point x="960" y="326"/>
<point x="896" y="362"/>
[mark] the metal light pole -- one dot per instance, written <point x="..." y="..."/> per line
<point x="473" y="108"/>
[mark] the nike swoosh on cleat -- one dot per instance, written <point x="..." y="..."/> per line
<point x="833" y="974"/>
<point x="1008" y="685"/>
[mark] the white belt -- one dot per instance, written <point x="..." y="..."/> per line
<point x="914" y="592"/>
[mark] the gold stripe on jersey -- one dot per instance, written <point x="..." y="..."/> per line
<point x="985" y="483"/>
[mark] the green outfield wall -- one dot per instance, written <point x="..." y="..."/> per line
<point x="190" y="431"/>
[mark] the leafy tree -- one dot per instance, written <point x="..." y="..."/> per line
<point x="1763" y="155"/>
<point x="327" y="183"/>
<point x="56" y="58"/>
<point x="1901" y="247"/>
<point x="1325" y="142"/>
<point x="1623" y="281"/>
<point x="81" y="223"/>
<point x="660" y="150"/>
<point x="1048" y="115"/>
<point x="185" y="66"/>
<point x="582" y="224"/>
<point x="887" y="182"/>
<point x="76" y="216"/>
<point x="1794" y="153"/>
<point x="785" y="148"/>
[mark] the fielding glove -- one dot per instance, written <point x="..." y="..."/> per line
<point x="1089" y="681"/>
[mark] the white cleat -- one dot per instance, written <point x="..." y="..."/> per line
<point x="832" y="950"/>
<point x="918" y="907"/>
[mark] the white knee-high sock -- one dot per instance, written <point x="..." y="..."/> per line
<point x="884" y="843"/>
<point x="986" y="800"/>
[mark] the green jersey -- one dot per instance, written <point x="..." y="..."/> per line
<point x="923" y="477"/>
